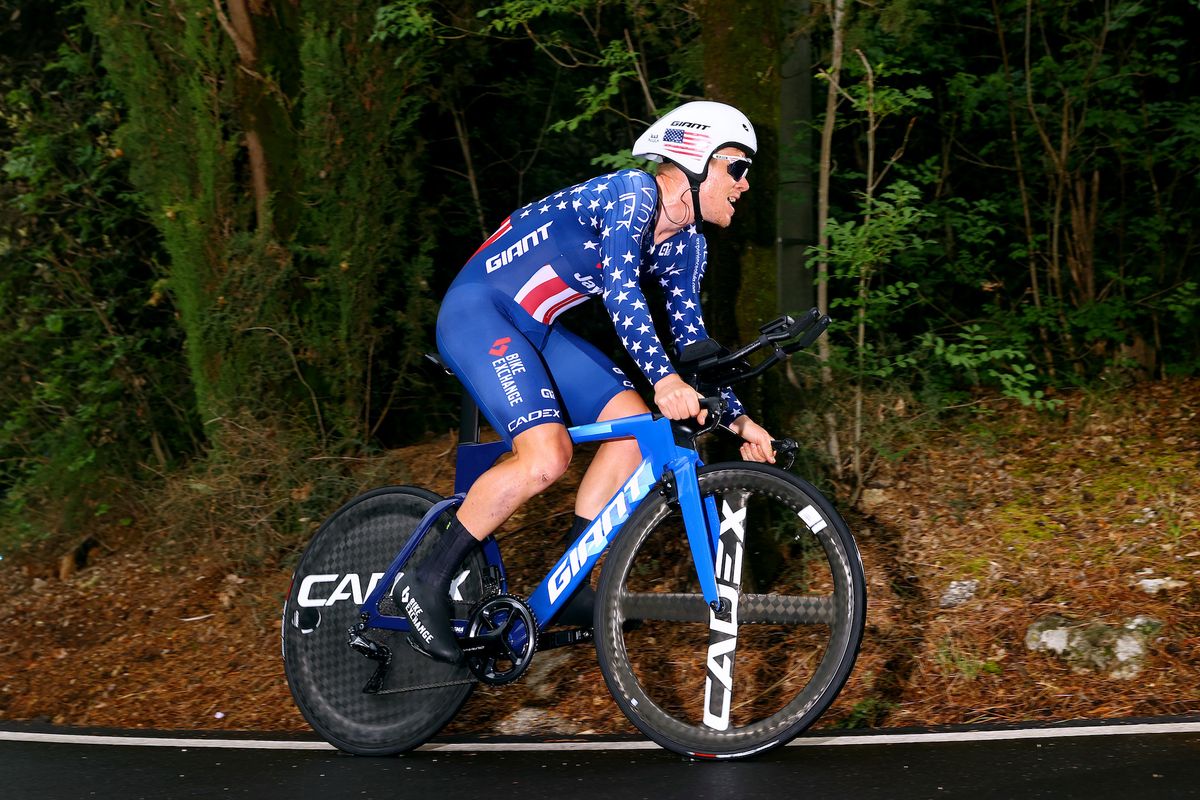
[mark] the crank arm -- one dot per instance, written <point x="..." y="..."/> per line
<point x="488" y="643"/>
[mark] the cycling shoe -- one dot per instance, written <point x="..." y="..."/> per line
<point x="578" y="611"/>
<point x="428" y="610"/>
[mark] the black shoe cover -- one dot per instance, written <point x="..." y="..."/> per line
<point x="428" y="610"/>
<point x="578" y="611"/>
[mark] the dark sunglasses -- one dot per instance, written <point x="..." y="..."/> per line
<point x="738" y="165"/>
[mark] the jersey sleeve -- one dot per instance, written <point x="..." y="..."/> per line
<point x="625" y="233"/>
<point x="681" y="285"/>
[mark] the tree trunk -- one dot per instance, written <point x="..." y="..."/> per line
<point x="1031" y="245"/>
<point x="837" y="17"/>
<point x="741" y="67"/>
<point x="797" y="231"/>
<point x="253" y="105"/>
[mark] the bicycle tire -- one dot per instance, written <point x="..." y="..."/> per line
<point x="801" y="609"/>
<point x="325" y="676"/>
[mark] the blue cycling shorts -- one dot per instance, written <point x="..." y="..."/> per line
<point x="521" y="372"/>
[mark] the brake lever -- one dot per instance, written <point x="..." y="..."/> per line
<point x="715" y="406"/>
<point x="786" y="448"/>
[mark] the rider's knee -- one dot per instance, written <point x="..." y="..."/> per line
<point x="551" y="464"/>
<point x="546" y="459"/>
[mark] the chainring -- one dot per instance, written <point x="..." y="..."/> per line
<point x="502" y="637"/>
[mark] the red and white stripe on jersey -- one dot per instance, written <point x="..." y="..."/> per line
<point x="504" y="228"/>
<point x="545" y="295"/>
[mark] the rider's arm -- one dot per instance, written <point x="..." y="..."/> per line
<point x="680" y="277"/>
<point x="626" y="231"/>
<point x="756" y="444"/>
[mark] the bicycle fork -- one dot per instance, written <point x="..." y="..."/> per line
<point x="717" y="539"/>
<point x="723" y="622"/>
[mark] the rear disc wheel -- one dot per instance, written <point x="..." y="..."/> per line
<point x="347" y="556"/>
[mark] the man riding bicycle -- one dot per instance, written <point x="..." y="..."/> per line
<point x="499" y="331"/>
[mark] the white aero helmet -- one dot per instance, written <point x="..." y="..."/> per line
<point x="690" y="134"/>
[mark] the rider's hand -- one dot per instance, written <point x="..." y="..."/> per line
<point x="676" y="400"/>
<point x="757" y="445"/>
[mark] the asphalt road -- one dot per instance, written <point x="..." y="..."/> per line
<point x="1151" y="759"/>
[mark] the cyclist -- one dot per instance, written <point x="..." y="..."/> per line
<point x="499" y="331"/>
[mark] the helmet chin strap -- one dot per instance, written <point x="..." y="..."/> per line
<point x="697" y="217"/>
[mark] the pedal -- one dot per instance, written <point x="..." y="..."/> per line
<point x="553" y="639"/>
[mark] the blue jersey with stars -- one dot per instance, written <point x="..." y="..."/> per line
<point x="597" y="239"/>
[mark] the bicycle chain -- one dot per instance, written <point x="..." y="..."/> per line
<point x="423" y="686"/>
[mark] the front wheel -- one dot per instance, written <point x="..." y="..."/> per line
<point x="751" y="678"/>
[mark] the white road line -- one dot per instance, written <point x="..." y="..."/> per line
<point x="150" y="741"/>
<point x="992" y="736"/>
<point x="485" y="747"/>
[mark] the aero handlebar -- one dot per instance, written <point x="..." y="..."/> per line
<point x="708" y="366"/>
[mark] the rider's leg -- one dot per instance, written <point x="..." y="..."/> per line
<point x="540" y="456"/>
<point x="615" y="461"/>
<point x="497" y="350"/>
<point x="594" y="389"/>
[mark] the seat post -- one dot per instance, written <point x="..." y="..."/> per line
<point x="468" y="425"/>
<point x="468" y="418"/>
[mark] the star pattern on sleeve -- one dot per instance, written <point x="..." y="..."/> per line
<point x="679" y="270"/>
<point x="626" y="203"/>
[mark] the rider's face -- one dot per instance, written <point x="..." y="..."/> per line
<point x="719" y="191"/>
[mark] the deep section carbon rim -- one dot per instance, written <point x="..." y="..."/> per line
<point x="351" y="551"/>
<point x="740" y="684"/>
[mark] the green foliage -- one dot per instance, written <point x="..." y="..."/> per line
<point x="1056" y="182"/>
<point x="866" y="713"/>
<point x="1079" y="146"/>
<point x="89" y="383"/>
<point x="621" y="66"/>
<point x="620" y="49"/>
<point x="957" y="662"/>
<point x="131" y="233"/>
<point x="983" y="359"/>
<point x="861" y="254"/>
<point x="365" y="307"/>
<point x="884" y="95"/>
<point x="287" y="299"/>
<point x="404" y="20"/>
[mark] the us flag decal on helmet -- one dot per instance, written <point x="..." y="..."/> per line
<point x="686" y="143"/>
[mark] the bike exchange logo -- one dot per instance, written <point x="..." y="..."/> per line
<point x="507" y="366"/>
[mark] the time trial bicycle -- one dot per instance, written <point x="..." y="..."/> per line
<point x="728" y="615"/>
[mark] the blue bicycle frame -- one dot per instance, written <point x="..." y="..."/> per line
<point x="662" y="456"/>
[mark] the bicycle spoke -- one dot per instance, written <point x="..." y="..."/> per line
<point x="752" y="608"/>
